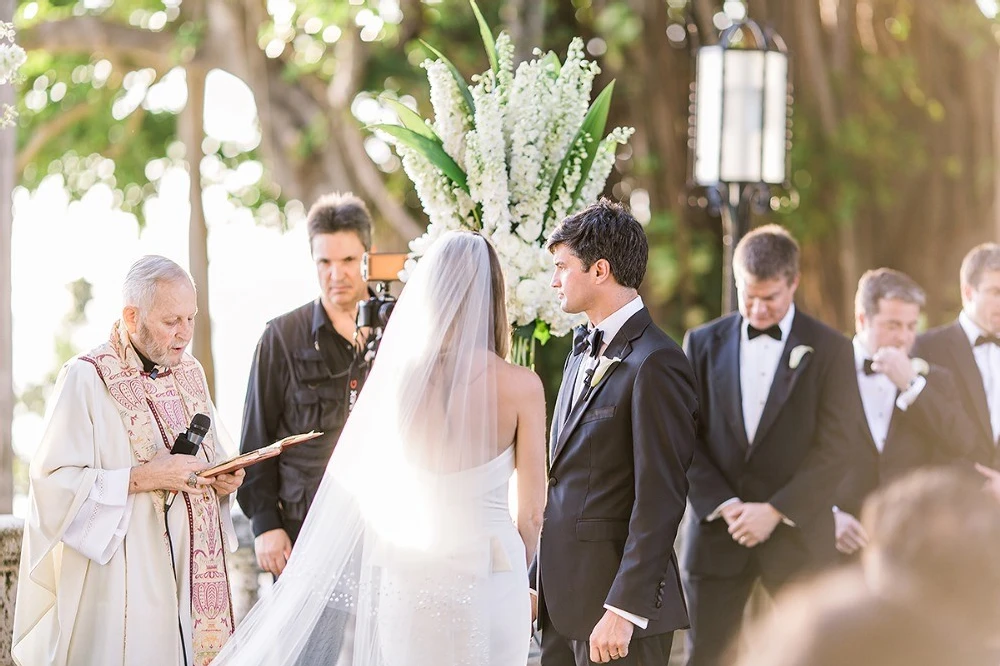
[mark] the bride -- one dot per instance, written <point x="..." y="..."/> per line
<point x="410" y="532"/>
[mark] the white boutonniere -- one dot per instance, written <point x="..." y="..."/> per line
<point x="920" y="366"/>
<point x="603" y="365"/>
<point x="798" y="354"/>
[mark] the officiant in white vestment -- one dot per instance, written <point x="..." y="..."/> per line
<point x="123" y="560"/>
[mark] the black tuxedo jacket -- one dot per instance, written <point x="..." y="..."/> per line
<point x="933" y="430"/>
<point x="795" y="461"/>
<point x="949" y="347"/>
<point x="618" y="486"/>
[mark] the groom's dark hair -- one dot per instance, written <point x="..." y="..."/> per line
<point x="606" y="230"/>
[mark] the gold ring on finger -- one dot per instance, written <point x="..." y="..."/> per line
<point x="192" y="480"/>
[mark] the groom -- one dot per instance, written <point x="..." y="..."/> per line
<point x="622" y="439"/>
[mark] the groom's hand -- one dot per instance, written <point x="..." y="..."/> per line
<point x="610" y="638"/>
<point x="273" y="549"/>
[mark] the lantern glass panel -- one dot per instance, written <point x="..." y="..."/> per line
<point x="708" y="115"/>
<point x="742" y="116"/>
<point x="775" y="117"/>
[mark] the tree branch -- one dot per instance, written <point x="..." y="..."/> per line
<point x="368" y="176"/>
<point x="89" y="34"/>
<point x="47" y="131"/>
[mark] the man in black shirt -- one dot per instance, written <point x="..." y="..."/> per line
<point x="299" y="380"/>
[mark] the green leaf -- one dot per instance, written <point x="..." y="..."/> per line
<point x="431" y="150"/>
<point x="411" y="119"/>
<point x="542" y="333"/>
<point x="463" y="87"/>
<point x="593" y="124"/>
<point x="550" y="59"/>
<point x="487" y="35"/>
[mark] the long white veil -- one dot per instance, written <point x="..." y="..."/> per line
<point x="395" y="537"/>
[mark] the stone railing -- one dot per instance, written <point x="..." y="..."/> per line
<point x="11" y="529"/>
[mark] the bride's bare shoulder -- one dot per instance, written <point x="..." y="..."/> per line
<point x="518" y="380"/>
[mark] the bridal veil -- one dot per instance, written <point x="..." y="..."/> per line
<point x="396" y="536"/>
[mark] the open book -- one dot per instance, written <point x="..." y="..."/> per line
<point x="245" y="460"/>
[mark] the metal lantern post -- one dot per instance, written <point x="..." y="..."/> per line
<point x="740" y="131"/>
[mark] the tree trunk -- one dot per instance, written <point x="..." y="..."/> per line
<point x="192" y="133"/>
<point x="996" y="157"/>
<point x="524" y="21"/>
<point x="7" y="182"/>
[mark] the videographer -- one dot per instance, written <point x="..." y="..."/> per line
<point x="299" y="380"/>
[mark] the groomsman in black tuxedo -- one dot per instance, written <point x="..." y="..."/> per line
<point x="777" y="399"/>
<point x="622" y="438"/>
<point x="912" y="414"/>
<point x="970" y="349"/>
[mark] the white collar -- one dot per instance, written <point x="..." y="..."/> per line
<point x="971" y="328"/>
<point x="785" y="325"/>
<point x="861" y="354"/>
<point x="613" y="323"/>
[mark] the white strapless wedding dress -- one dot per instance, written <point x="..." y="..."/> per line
<point x="472" y="607"/>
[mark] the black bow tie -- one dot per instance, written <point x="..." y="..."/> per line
<point x="868" y="367"/>
<point x="772" y="331"/>
<point x="584" y="338"/>
<point x="988" y="340"/>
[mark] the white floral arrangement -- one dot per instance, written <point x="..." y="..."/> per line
<point x="510" y="157"/>
<point x="12" y="57"/>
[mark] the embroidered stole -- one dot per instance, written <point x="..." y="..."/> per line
<point x="154" y="413"/>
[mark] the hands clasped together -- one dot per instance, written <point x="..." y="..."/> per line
<point x="750" y="523"/>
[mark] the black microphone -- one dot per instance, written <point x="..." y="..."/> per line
<point x="189" y="441"/>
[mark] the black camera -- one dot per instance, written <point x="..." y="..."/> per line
<point x="380" y="268"/>
<point x="374" y="313"/>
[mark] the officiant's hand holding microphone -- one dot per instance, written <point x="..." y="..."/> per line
<point x="189" y="443"/>
<point x="168" y="472"/>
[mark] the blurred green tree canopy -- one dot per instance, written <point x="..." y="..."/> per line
<point x="894" y="150"/>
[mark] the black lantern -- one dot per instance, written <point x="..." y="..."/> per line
<point x="740" y="130"/>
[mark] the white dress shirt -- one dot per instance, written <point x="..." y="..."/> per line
<point x="759" y="359"/>
<point x="878" y="397"/>
<point x="609" y="329"/>
<point x="988" y="360"/>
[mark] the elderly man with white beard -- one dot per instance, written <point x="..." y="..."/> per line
<point x="123" y="557"/>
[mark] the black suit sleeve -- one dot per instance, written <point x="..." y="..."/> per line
<point x="942" y="416"/>
<point x="813" y="487"/>
<point x="664" y="413"/>
<point x="709" y="487"/>
<point x="258" y="496"/>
